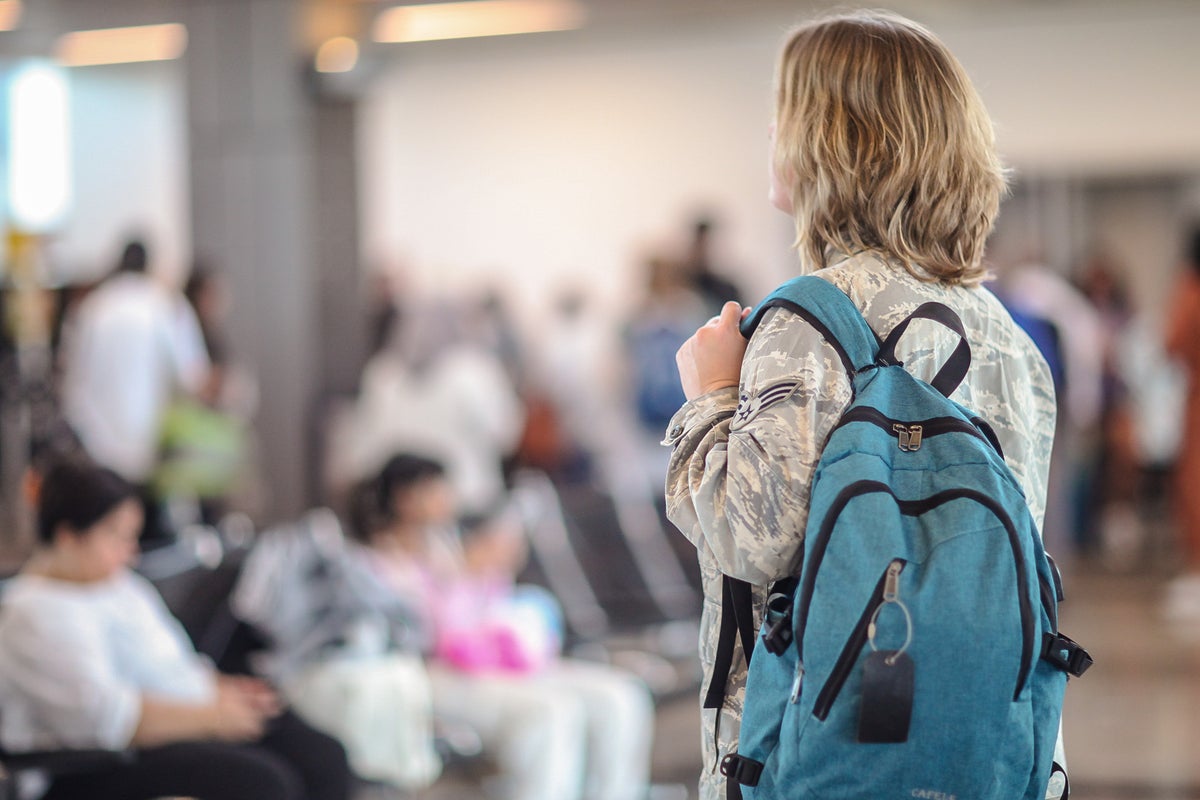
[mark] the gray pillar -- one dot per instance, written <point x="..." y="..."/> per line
<point x="259" y="214"/>
<point x="341" y="311"/>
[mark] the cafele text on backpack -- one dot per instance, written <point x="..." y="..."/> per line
<point x="917" y="653"/>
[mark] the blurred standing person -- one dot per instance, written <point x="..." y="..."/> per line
<point x="1183" y="342"/>
<point x="205" y="438"/>
<point x="714" y="288"/>
<point x="668" y="314"/>
<point x="1033" y="290"/>
<point x="435" y="392"/>
<point x="884" y="156"/>
<point x="132" y="345"/>
<point x="206" y="293"/>
<point x="572" y="417"/>
<point x="1106" y="504"/>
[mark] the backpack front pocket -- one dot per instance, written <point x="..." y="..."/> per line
<point x="854" y="645"/>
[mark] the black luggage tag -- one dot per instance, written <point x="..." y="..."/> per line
<point x="887" y="698"/>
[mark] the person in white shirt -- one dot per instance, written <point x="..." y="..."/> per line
<point x="437" y="393"/>
<point x="91" y="658"/>
<point x="131" y="345"/>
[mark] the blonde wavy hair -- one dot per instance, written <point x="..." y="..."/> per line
<point x="885" y="145"/>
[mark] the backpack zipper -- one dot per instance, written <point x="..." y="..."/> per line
<point x="915" y="508"/>
<point x="909" y="435"/>
<point x="854" y="645"/>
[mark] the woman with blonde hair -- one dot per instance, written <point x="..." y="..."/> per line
<point x="883" y="155"/>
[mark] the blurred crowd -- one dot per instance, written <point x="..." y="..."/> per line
<point x="488" y="572"/>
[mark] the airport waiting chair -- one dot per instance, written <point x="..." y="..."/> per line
<point x="19" y="770"/>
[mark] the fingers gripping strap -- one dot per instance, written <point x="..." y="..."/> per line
<point x="830" y="311"/>
<point x="955" y="369"/>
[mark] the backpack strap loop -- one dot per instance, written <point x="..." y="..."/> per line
<point x="1064" y="653"/>
<point x="955" y="369"/>
<point x="830" y="311"/>
<point x="741" y="771"/>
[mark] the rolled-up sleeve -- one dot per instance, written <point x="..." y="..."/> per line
<point x="69" y="687"/>
<point x="742" y="463"/>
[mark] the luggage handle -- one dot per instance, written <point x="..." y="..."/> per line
<point x="955" y="369"/>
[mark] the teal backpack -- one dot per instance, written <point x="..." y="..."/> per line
<point x="917" y="653"/>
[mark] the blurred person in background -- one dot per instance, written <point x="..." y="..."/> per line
<point x="668" y="313"/>
<point x="572" y="413"/>
<point x="209" y="298"/>
<point x="205" y="439"/>
<point x="1183" y="343"/>
<point x="1107" y="500"/>
<point x="560" y="729"/>
<point x="701" y="273"/>
<point x="1037" y="294"/>
<point x="436" y="391"/>
<point x="91" y="658"/>
<point x="884" y="156"/>
<point x="132" y="345"/>
<point x="1157" y="386"/>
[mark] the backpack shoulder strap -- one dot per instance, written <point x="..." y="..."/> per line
<point x="830" y="311"/>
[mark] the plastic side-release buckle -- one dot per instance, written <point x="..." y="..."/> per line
<point x="1064" y="653"/>
<point x="745" y="771"/>
<point x="777" y="624"/>
<point x="778" y="637"/>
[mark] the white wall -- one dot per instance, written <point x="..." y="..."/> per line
<point x="545" y="159"/>
<point x="128" y="168"/>
<point x="1072" y="89"/>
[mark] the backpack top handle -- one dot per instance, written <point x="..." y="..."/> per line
<point x="955" y="369"/>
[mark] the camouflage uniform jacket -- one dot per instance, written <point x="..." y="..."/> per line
<point x="742" y="462"/>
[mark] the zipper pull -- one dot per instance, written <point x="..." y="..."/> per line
<point x="915" y="432"/>
<point x="796" y="684"/>
<point x="908" y="436"/>
<point x="891" y="582"/>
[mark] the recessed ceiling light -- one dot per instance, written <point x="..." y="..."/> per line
<point x="339" y="54"/>
<point x="10" y="14"/>
<point x="121" y="45"/>
<point x="462" y="20"/>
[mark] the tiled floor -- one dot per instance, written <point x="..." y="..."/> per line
<point x="1132" y="724"/>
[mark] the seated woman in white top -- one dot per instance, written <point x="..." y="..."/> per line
<point x="91" y="658"/>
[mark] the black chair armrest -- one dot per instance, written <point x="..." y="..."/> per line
<point x="66" y="762"/>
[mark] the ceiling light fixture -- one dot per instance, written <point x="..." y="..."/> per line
<point x="10" y="14"/>
<point x="339" y="54"/>
<point x="463" y="20"/>
<point x="121" y="45"/>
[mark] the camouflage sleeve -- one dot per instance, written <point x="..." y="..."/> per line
<point x="740" y="472"/>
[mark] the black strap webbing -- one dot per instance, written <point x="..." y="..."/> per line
<point x="737" y="618"/>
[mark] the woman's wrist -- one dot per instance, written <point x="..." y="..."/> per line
<point x="714" y="385"/>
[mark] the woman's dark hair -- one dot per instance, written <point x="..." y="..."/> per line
<point x="134" y="257"/>
<point x="371" y="502"/>
<point x="78" y="494"/>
